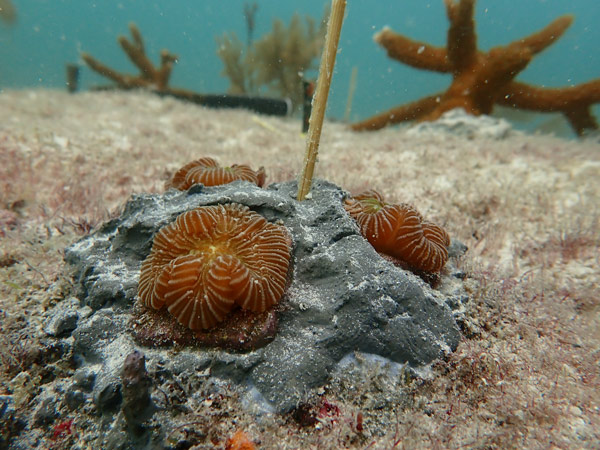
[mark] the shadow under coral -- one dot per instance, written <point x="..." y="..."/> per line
<point x="241" y="331"/>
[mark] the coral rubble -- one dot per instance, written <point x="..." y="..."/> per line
<point x="482" y="79"/>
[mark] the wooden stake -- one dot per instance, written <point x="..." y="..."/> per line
<point x="334" y="28"/>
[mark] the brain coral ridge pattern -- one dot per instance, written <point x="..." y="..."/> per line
<point x="399" y="231"/>
<point x="208" y="172"/>
<point x="212" y="259"/>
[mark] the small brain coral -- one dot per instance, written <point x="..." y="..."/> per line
<point x="213" y="258"/>
<point x="207" y="171"/>
<point x="399" y="231"/>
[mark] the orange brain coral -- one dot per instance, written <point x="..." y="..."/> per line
<point x="207" y="171"/>
<point x="399" y="231"/>
<point x="213" y="258"/>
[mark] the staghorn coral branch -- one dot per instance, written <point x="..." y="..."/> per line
<point x="167" y="60"/>
<point x="462" y="40"/>
<point x="581" y="119"/>
<point x="149" y="76"/>
<point x="138" y="57"/>
<point x="136" y="36"/>
<point x="546" y="36"/>
<point x="104" y="70"/>
<point x="8" y="13"/>
<point x="534" y="98"/>
<point x="404" y="113"/>
<point x="413" y="53"/>
<point x="574" y="101"/>
<point x="501" y="66"/>
<point x="156" y="79"/>
<point x="482" y="79"/>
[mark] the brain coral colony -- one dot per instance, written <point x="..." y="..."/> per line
<point x="212" y="259"/>
<point x="208" y="172"/>
<point x="399" y="231"/>
<point x="482" y="79"/>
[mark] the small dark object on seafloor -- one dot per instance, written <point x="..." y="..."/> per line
<point x="262" y="105"/>
<point x="72" y="77"/>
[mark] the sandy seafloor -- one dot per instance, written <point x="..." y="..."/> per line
<point x="526" y="374"/>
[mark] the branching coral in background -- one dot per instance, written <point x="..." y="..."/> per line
<point x="480" y="79"/>
<point x="276" y="62"/>
<point x="149" y="77"/>
<point x="8" y="13"/>
<point x="231" y="51"/>
<point x="284" y="55"/>
<point x="156" y="79"/>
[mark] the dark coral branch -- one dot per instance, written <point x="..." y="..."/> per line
<point x="136" y="36"/>
<point x="156" y="79"/>
<point x="476" y="90"/>
<point x="501" y="66"/>
<point x="104" y="70"/>
<point x="8" y="13"/>
<point x="138" y="57"/>
<point x="250" y="16"/>
<point x="167" y="61"/>
<point x="149" y="76"/>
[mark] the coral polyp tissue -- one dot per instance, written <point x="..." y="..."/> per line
<point x="399" y="231"/>
<point x="213" y="259"/>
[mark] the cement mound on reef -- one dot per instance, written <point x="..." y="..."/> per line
<point x="342" y="297"/>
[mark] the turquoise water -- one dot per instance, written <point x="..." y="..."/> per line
<point x="50" y="33"/>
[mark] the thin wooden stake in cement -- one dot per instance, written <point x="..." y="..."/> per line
<point x="334" y="27"/>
